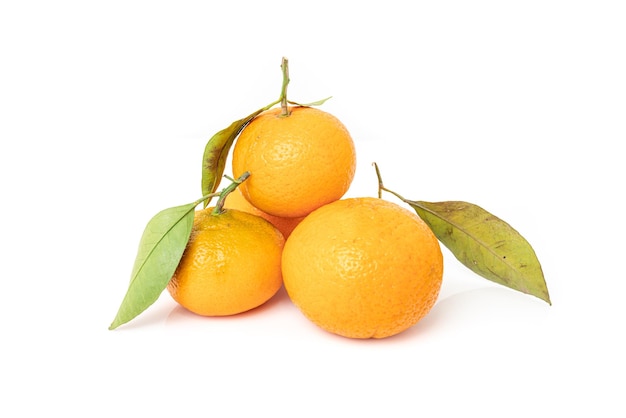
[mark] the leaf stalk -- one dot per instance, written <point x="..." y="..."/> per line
<point x="382" y="187"/>
<point x="219" y="206"/>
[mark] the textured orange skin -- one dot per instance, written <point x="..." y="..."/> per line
<point x="363" y="268"/>
<point x="297" y="163"/>
<point x="232" y="263"/>
<point x="236" y="200"/>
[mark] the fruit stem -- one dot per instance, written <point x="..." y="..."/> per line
<point x="219" y="206"/>
<point x="381" y="187"/>
<point x="380" y="180"/>
<point x="284" y="104"/>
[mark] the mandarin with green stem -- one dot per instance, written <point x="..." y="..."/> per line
<point x="300" y="158"/>
<point x="231" y="264"/>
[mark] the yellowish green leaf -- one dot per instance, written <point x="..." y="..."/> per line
<point x="485" y="244"/>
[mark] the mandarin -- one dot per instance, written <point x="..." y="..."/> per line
<point x="297" y="162"/>
<point x="231" y="264"/>
<point x="363" y="268"/>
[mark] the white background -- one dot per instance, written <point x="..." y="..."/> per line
<point x="105" y="108"/>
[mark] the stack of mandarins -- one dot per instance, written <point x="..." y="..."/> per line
<point x="357" y="267"/>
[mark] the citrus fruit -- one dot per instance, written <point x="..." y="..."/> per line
<point x="231" y="264"/>
<point x="297" y="163"/>
<point x="363" y="268"/>
<point x="236" y="200"/>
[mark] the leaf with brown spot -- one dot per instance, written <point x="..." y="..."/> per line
<point x="216" y="152"/>
<point x="485" y="244"/>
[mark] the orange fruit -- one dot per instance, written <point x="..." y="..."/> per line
<point x="297" y="163"/>
<point x="232" y="263"/>
<point x="363" y="268"/>
<point x="236" y="200"/>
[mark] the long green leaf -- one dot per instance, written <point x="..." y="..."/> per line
<point x="160" y="249"/>
<point x="485" y="244"/>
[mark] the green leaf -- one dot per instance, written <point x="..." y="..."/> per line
<point x="160" y="249"/>
<point x="485" y="244"/>
<point x="317" y="103"/>
<point x="217" y="149"/>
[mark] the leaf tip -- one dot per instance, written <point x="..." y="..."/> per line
<point x="547" y="300"/>
<point x="116" y="323"/>
<point x="542" y="294"/>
